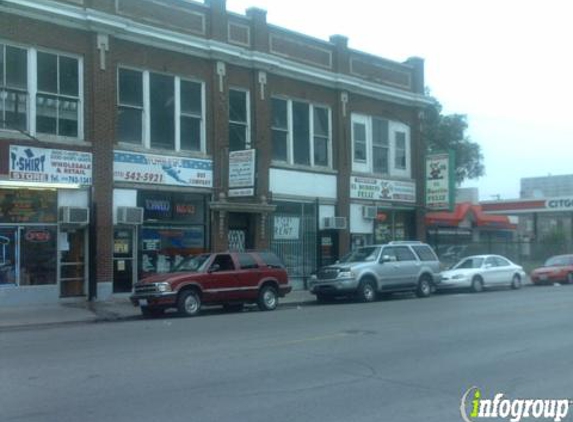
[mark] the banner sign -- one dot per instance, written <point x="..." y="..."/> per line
<point x="162" y="170"/>
<point x="382" y="190"/>
<point x="439" y="182"/>
<point x="286" y="228"/>
<point x="242" y="173"/>
<point x="41" y="165"/>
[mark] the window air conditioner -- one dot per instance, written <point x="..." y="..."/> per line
<point x="74" y="215"/>
<point x="336" y="223"/>
<point x="369" y="212"/>
<point x="129" y="215"/>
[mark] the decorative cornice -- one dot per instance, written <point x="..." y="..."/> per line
<point x="129" y="30"/>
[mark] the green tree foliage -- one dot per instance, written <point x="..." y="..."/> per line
<point x="448" y="132"/>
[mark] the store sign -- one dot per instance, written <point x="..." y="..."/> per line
<point x="382" y="190"/>
<point x="559" y="204"/>
<point x="162" y="170"/>
<point x="286" y="228"/>
<point x="242" y="173"/>
<point x="439" y="182"/>
<point x="40" y="165"/>
<point x="37" y="236"/>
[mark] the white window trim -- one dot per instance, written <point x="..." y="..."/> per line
<point x="248" y="114"/>
<point x="32" y="92"/>
<point x="146" y="118"/>
<point x="290" y="134"/>
<point x="393" y="127"/>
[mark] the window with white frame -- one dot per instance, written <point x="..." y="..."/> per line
<point x="13" y="87"/>
<point x="380" y="146"/>
<point x="239" y="130"/>
<point x="160" y="111"/>
<point x="301" y="133"/>
<point x="58" y="97"/>
<point x="53" y="83"/>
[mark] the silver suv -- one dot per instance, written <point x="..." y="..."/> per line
<point x="369" y="270"/>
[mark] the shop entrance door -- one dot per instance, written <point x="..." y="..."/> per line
<point x="72" y="263"/>
<point x="8" y="255"/>
<point x="123" y="259"/>
<point x="241" y="232"/>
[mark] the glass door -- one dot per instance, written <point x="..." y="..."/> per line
<point x="8" y="256"/>
<point x="72" y="263"/>
<point x="37" y="257"/>
<point x="123" y="259"/>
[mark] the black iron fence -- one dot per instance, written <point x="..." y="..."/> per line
<point x="529" y="254"/>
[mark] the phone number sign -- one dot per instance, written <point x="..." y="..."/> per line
<point x="162" y="170"/>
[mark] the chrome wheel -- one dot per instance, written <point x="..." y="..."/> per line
<point x="516" y="282"/>
<point x="424" y="287"/>
<point x="366" y="292"/>
<point x="268" y="299"/>
<point x="477" y="285"/>
<point x="189" y="303"/>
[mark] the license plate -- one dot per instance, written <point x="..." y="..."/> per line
<point x="543" y="277"/>
<point x="142" y="302"/>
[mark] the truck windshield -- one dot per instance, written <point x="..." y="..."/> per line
<point x="192" y="264"/>
<point x="362" y="255"/>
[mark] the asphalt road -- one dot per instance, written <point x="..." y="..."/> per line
<point x="402" y="359"/>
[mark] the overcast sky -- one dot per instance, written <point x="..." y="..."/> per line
<point x="506" y="64"/>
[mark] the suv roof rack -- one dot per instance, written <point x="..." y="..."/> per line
<point x="405" y="242"/>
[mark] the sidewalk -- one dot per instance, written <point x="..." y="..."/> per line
<point x="19" y="317"/>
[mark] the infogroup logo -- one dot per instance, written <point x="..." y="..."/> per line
<point x="474" y="407"/>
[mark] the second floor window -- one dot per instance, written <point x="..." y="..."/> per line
<point x="40" y="92"/>
<point x="160" y="111"/>
<point x="239" y="133"/>
<point x="13" y="87"/>
<point x="301" y="133"/>
<point x="380" y="146"/>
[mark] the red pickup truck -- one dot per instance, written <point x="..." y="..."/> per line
<point x="230" y="279"/>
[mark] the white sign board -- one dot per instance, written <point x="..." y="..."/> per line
<point x="438" y="182"/>
<point x="382" y="190"/>
<point x="40" y="165"/>
<point x="286" y="228"/>
<point x="242" y="173"/>
<point x="162" y="170"/>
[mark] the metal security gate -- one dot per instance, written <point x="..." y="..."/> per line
<point x="295" y="239"/>
<point x="237" y="240"/>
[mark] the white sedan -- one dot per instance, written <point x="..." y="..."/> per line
<point x="480" y="271"/>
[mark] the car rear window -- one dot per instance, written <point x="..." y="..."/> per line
<point x="246" y="261"/>
<point x="271" y="259"/>
<point x="425" y="253"/>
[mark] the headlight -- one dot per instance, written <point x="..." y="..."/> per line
<point x="164" y="287"/>
<point x="345" y="273"/>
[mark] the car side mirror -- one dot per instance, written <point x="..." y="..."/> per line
<point x="388" y="258"/>
<point x="214" y="268"/>
<point x="487" y="266"/>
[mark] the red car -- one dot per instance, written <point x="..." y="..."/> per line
<point x="557" y="269"/>
<point x="230" y="279"/>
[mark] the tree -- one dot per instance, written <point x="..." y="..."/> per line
<point x="448" y="132"/>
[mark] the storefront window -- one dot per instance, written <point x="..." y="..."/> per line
<point x="38" y="256"/>
<point x="394" y="225"/>
<point x="173" y="228"/>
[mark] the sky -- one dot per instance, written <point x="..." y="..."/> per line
<point x="506" y="64"/>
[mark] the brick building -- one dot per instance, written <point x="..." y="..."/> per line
<point x="136" y="132"/>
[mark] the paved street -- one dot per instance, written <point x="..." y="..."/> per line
<point x="402" y="359"/>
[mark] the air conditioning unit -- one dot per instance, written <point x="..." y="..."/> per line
<point x="74" y="215"/>
<point x="369" y="212"/>
<point x="336" y="223"/>
<point x="129" y="215"/>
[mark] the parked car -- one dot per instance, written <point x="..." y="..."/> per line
<point x="229" y="279"/>
<point x="369" y="270"/>
<point x="481" y="271"/>
<point x="557" y="269"/>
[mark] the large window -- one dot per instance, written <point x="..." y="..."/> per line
<point x="13" y="87"/>
<point x="380" y="146"/>
<point x="58" y="95"/>
<point x="301" y="133"/>
<point x="239" y="136"/>
<point x="160" y="111"/>
<point x="52" y="81"/>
